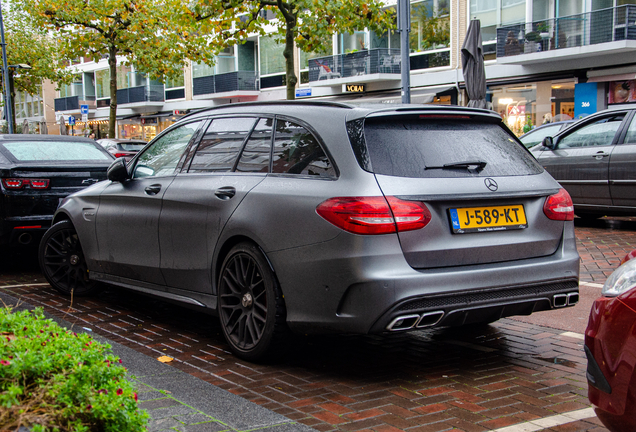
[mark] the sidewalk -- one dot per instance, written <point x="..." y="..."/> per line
<point x="178" y="401"/>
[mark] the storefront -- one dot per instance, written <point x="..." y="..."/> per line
<point x="144" y="127"/>
<point x="523" y="106"/>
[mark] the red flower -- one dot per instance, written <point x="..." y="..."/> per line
<point x="135" y="396"/>
<point x="5" y="362"/>
<point x="25" y="328"/>
<point x="89" y="407"/>
<point x="120" y="392"/>
<point x="120" y="361"/>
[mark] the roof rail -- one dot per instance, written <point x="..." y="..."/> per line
<point x="277" y="103"/>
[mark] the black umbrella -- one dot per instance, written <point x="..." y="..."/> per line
<point x="473" y="66"/>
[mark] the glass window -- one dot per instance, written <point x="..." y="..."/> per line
<point x="162" y="157"/>
<point x="296" y="151"/>
<point x="271" y="56"/>
<point x="535" y="137"/>
<point x="178" y="81"/>
<point x="416" y="148"/>
<point x="54" y="151"/>
<point x="256" y="155"/>
<point x="201" y="70"/>
<point x="305" y="57"/>
<point x="630" y="138"/>
<point x="430" y="25"/>
<point x="599" y="133"/>
<point x="221" y="144"/>
<point x="102" y="83"/>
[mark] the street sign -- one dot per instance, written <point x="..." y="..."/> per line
<point x="71" y="120"/>
<point x="303" y="92"/>
<point x="84" y="109"/>
<point x="84" y="118"/>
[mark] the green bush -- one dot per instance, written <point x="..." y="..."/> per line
<point x="53" y="379"/>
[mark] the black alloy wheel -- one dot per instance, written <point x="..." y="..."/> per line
<point x="62" y="260"/>
<point x="251" y="307"/>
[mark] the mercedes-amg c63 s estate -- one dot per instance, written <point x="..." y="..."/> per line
<point x="325" y="217"/>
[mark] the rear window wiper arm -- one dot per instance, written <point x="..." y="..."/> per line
<point x="479" y="165"/>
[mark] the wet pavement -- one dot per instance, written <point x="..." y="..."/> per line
<point x="513" y="374"/>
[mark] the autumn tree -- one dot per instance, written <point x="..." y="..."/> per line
<point x="156" y="37"/>
<point x="28" y="44"/>
<point x="310" y="24"/>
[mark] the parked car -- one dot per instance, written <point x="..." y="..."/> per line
<point x="325" y="217"/>
<point x="594" y="161"/>
<point x="36" y="172"/>
<point x="126" y="148"/>
<point x="610" y="347"/>
<point x="536" y="135"/>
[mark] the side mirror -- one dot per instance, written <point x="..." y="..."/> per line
<point x="548" y="142"/>
<point x="117" y="171"/>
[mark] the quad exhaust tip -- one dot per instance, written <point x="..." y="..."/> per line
<point x="406" y="322"/>
<point x="563" y="300"/>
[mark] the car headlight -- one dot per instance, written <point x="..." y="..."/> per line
<point x="623" y="279"/>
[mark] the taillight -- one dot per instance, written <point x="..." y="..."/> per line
<point x="559" y="206"/>
<point x="374" y="215"/>
<point x="118" y="155"/>
<point x="17" y="183"/>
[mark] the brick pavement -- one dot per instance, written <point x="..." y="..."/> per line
<point x="463" y="380"/>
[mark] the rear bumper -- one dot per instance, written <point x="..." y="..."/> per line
<point x="361" y="284"/>
<point x="24" y="230"/>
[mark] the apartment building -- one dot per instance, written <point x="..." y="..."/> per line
<point x="545" y="60"/>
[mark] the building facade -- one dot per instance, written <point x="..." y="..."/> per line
<point x="545" y="60"/>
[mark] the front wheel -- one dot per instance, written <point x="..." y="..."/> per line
<point x="62" y="261"/>
<point x="251" y="307"/>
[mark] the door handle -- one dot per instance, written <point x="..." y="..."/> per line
<point x="153" y="189"/>
<point x="600" y="155"/>
<point x="225" y="193"/>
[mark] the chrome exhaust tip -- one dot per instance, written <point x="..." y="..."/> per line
<point x="403" y="322"/>
<point x="560" y="300"/>
<point x="573" y="298"/>
<point x="430" y="319"/>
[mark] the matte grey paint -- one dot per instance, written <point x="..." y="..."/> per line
<point x="172" y="242"/>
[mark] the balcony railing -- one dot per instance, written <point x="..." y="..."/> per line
<point x="227" y="82"/>
<point x="149" y="93"/>
<point x="601" y="26"/>
<point x="71" y="103"/>
<point x="363" y="62"/>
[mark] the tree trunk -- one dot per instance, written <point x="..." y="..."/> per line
<point x="288" y="53"/>
<point x="112" y="66"/>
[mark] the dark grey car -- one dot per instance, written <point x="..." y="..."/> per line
<point x="325" y="217"/>
<point x="594" y="160"/>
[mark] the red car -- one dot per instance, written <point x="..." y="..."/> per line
<point x="610" y="346"/>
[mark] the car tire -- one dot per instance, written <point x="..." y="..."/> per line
<point x="251" y="306"/>
<point x="62" y="261"/>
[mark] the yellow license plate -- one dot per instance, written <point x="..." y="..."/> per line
<point x="486" y="219"/>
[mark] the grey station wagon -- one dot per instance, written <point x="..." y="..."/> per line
<point x="325" y="217"/>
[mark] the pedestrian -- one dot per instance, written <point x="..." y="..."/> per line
<point x="92" y="136"/>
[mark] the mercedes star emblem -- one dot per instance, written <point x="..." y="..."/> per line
<point x="491" y="184"/>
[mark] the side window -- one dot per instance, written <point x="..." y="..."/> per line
<point x="255" y="156"/>
<point x="599" y="133"/>
<point x="221" y="144"/>
<point x="296" y="151"/>
<point x="162" y="157"/>
<point x="630" y="138"/>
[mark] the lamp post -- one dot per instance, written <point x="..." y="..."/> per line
<point x="11" y="98"/>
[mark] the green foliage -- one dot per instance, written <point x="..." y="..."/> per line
<point x="57" y="380"/>
<point x="310" y="24"/>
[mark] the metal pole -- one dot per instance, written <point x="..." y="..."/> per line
<point x="404" y="28"/>
<point x="5" y="73"/>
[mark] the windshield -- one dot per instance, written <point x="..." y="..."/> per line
<point x="25" y="151"/>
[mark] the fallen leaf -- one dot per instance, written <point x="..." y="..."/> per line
<point x="165" y="359"/>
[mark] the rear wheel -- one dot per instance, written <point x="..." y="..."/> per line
<point x="62" y="260"/>
<point x="251" y="307"/>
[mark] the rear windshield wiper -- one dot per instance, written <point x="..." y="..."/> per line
<point x="479" y="165"/>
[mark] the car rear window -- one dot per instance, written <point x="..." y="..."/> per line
<point x="25" y="151"/>
<point x="132" y="146"/>
<point x="420" y="148"/>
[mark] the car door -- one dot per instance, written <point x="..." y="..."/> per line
<point x="622" y="172"/>
<point x="580" y="161"/>
<point x="204" y="195"/>
<point x="127" y="220"/>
